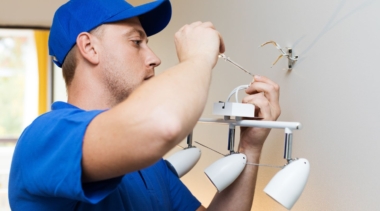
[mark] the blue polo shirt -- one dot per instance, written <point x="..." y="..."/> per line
<point x="46" y="172"/>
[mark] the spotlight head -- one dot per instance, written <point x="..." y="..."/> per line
<point x="183" y="161"/>
<point x="287" y="185"/>
<point x="225" y="170"/>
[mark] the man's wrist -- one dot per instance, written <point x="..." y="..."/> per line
<point x="202" y="62"/>
<point x="252" y="153"/>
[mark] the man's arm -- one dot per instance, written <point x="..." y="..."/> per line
<point x="157" y="115"/>
<point x="264" y="94"/>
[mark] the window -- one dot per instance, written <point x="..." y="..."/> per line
<point x="18" y="81"/>
<point x="23" y="91"/>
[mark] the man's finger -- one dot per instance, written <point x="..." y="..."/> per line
<point x="197" y="23"/>
<point x="262" y="105"/>
<point x="263" y="79"/>
<point x="270" y="91"/>
<point x="208" y="24"/>
<point x="222" y="47"/>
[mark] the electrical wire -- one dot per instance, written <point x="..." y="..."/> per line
<point x="235" y="91"/>
<point x="253" y="164"/>
<point x="209" y="148"/>
<point x="264" y="165"/>
<point x="283" y="53"/>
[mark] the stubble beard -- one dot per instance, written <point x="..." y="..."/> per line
<point x="116" y="83"/>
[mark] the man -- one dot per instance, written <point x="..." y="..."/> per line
<point x="103" y="149"/>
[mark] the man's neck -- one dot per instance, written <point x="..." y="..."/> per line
<point x="88" y="92"/>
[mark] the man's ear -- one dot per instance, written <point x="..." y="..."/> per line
<point x="87" y="47"/>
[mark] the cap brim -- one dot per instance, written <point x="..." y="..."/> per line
<point x="154" y="16"/>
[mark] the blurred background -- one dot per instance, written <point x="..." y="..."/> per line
<point x="333" y="89"/>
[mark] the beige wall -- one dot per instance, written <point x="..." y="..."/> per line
<point x="333" y="90"/>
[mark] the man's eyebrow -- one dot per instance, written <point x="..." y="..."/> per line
<point x="138" y="31"/>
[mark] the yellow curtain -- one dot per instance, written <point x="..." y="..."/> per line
<point x="41" y="39"/>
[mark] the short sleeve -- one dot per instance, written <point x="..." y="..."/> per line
<point x="182" y="198"/>
<point x="49" y="153"/>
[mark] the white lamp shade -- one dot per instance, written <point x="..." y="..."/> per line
<point x="183" y="161"/>
<point x="287" y="185"/>
<point x="224" y="171"/>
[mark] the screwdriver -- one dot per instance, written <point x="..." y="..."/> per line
<point x="223" y="56"/>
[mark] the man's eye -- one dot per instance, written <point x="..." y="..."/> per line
<point x="137" y="42"/>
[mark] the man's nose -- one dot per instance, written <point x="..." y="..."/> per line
<point x="152" y="60"/>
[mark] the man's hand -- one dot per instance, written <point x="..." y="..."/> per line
<point x="199" y="42"/>
<point x="264" y="94"/>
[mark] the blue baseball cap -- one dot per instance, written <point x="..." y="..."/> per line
<point x="78" y="16"/>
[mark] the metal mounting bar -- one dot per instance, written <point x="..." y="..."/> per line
<point x="254" y="123"/>
<point x="231" y="139"/>
<point x="190" y="140"/>
<point x="288" y="145"/>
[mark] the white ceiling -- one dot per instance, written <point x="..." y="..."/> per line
<point x="32" y="12"/>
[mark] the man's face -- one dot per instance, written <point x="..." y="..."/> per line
<point x="126" y="60"/>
